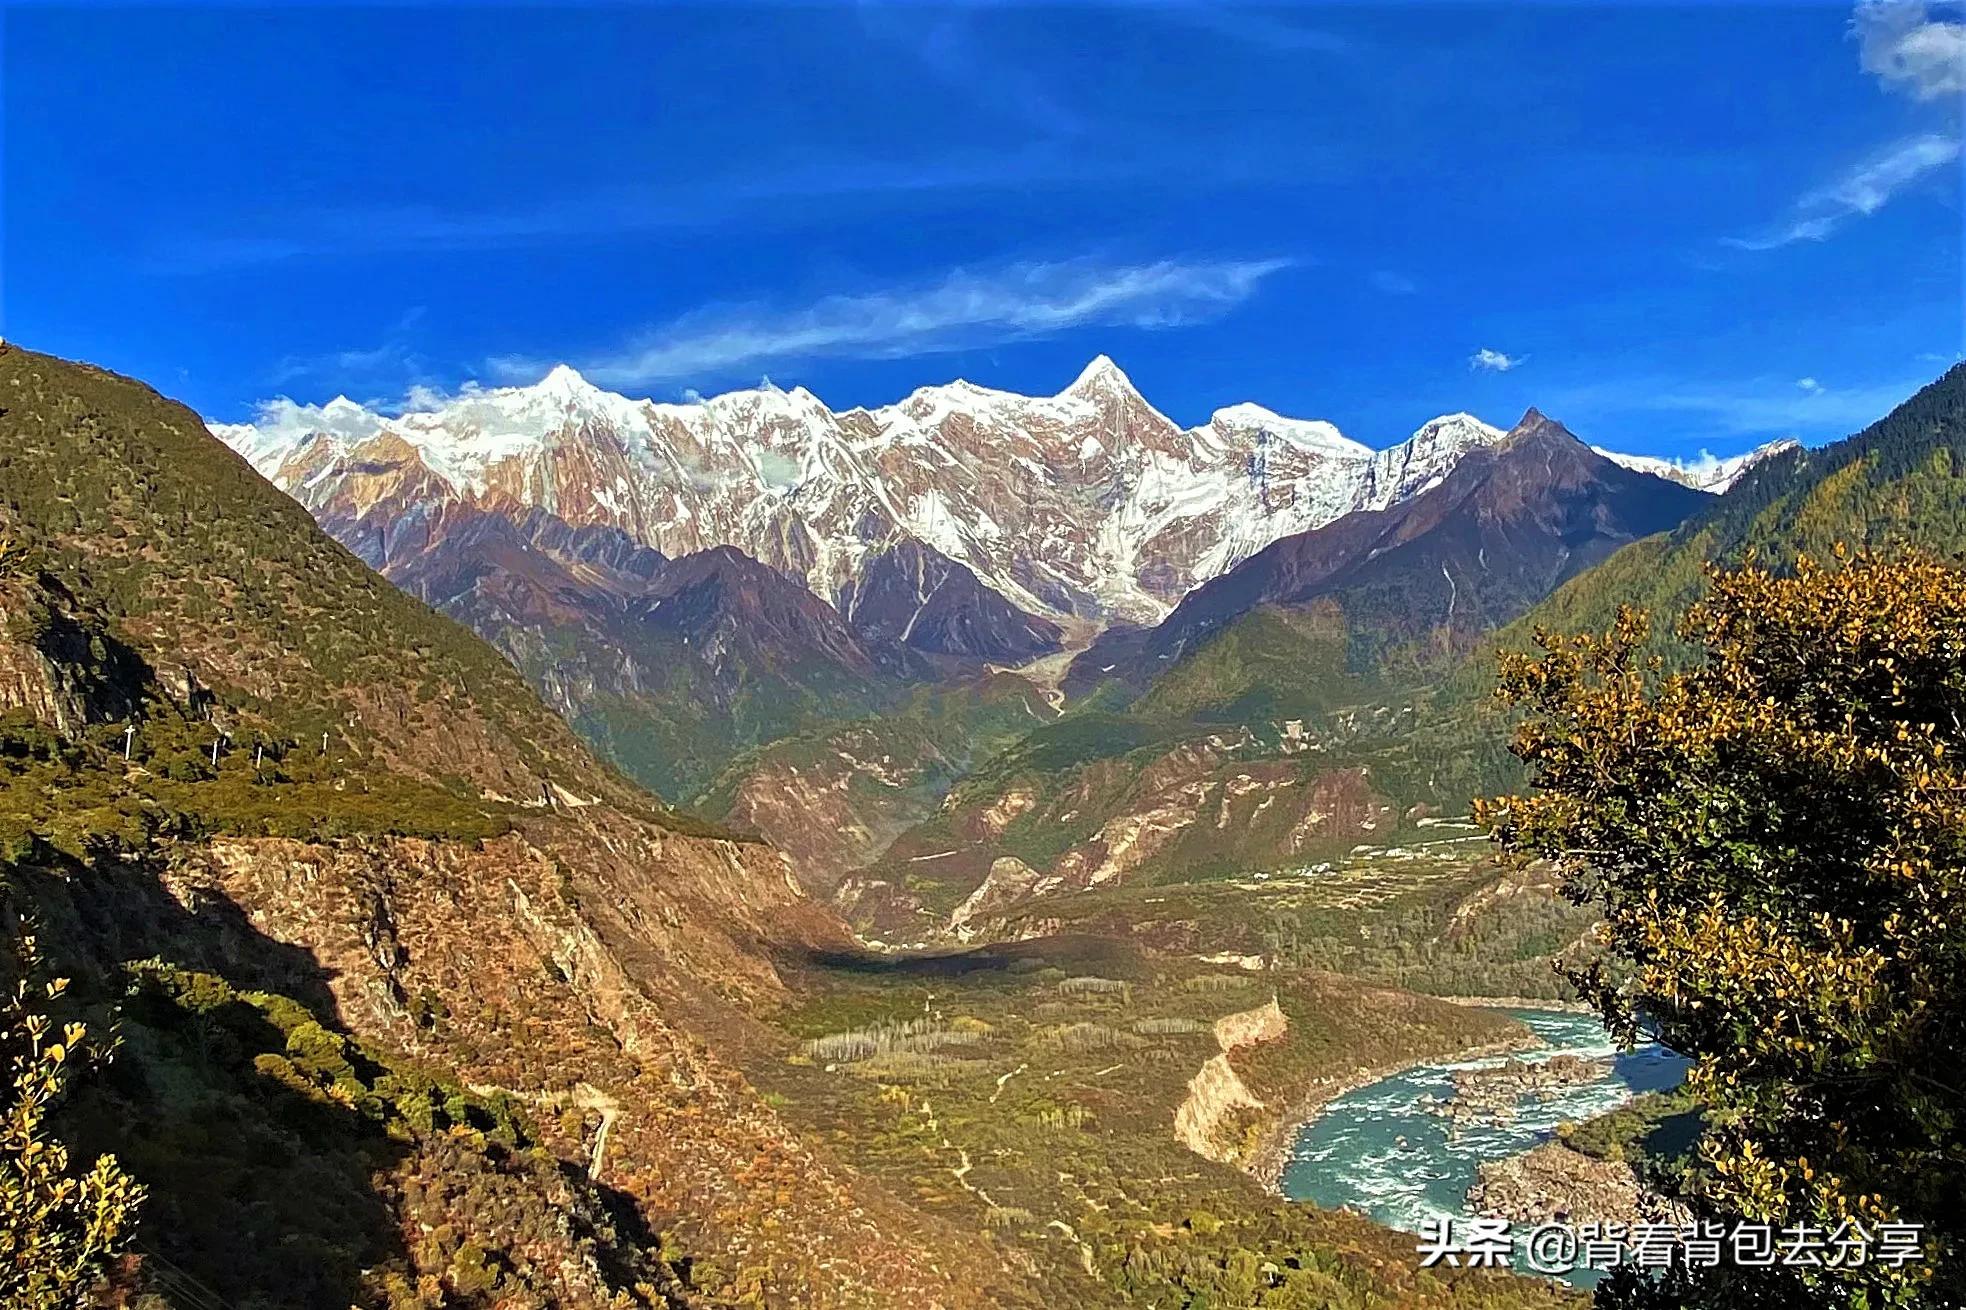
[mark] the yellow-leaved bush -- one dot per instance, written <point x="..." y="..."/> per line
<point x="59" y="1229"/>
<point x="1775" y="836"/>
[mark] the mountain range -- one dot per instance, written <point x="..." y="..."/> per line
<point x="1082" y="508"/>
<point x="1309" y="699"/>
<point x="1227" y="735"/>
<point x="686" y="581"/>
<point x="418" y="1002"/>
<point x="1507" y="524"/>
<point x="419" y="998"/>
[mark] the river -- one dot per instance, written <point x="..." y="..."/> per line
<point x="1381" y="1151"/>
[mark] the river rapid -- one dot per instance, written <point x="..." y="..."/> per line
<point x="1382" y="1150"/>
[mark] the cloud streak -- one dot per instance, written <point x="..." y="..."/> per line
<point x="964" y="310"/>
<point x="1860" y="192"/>
<point x="1908" y="51"/>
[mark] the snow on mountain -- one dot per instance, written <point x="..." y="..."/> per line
<point x="1085" y="507"/>
<point x="1253" y="421"/>
<point x="1704" y="473"/>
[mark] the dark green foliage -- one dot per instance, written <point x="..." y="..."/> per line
<point x="60" y="797"/>
<point x="1656" y="1131"/>
<point x="281" y="1155"/>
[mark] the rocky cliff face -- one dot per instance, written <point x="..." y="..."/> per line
<point x="1217" y="1093"/>
<point x="59" y="662"/>
<point x="599" y="952"/>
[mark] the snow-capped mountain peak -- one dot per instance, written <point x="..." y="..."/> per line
<point x="1084" y="507"/>
<point x="1102" y="375"/>
<point x="1423" y="459"/>
<point x="1703" y="472"/>
<point x="566" y="379"/>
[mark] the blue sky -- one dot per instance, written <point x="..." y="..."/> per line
<point x="1674" y="228"/>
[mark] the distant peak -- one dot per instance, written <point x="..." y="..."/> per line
<point x="1247" y="412"/>
<point x="1310" y="433"/>
<point x="1102" y="374"/>
<point x="1535" y="422"/>
<point x="564" y="377"/>
<point x="1460" y="428"/>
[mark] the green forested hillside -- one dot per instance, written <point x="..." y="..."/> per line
<point x="222" y="587"/>
<point x="1900" y="481"/>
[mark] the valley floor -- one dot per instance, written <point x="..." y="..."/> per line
<point x="1103" y="1115"/>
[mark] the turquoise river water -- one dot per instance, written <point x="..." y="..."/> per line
<point x="1382" y="1151"/>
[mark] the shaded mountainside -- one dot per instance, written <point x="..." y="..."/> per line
<point x="914" y="595"/>
<point x="670" y="667"/>
<point x="1506" y="526"/>
<point x="383" y="1002"/>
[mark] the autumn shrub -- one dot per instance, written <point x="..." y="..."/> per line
<point x="59" y="1228"/>
<point x="1775" y="838"/>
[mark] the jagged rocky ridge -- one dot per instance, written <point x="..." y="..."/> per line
<point x="1508" y="524"/>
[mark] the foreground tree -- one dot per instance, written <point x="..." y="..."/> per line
<point x="1776" y="838"/>
<point x="58" y="1230"/>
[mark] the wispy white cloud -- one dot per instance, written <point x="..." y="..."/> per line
<point x="1809" y="385"/>
<point x="966" y="309"/>
<point x="1908" y="50"/>
<point x="1495" y="361"/>
<point x="1860" y="192"/>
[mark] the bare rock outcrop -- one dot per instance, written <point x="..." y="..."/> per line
<point x="1217" y="1092"/>
<point x="1555" y="1184"/>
